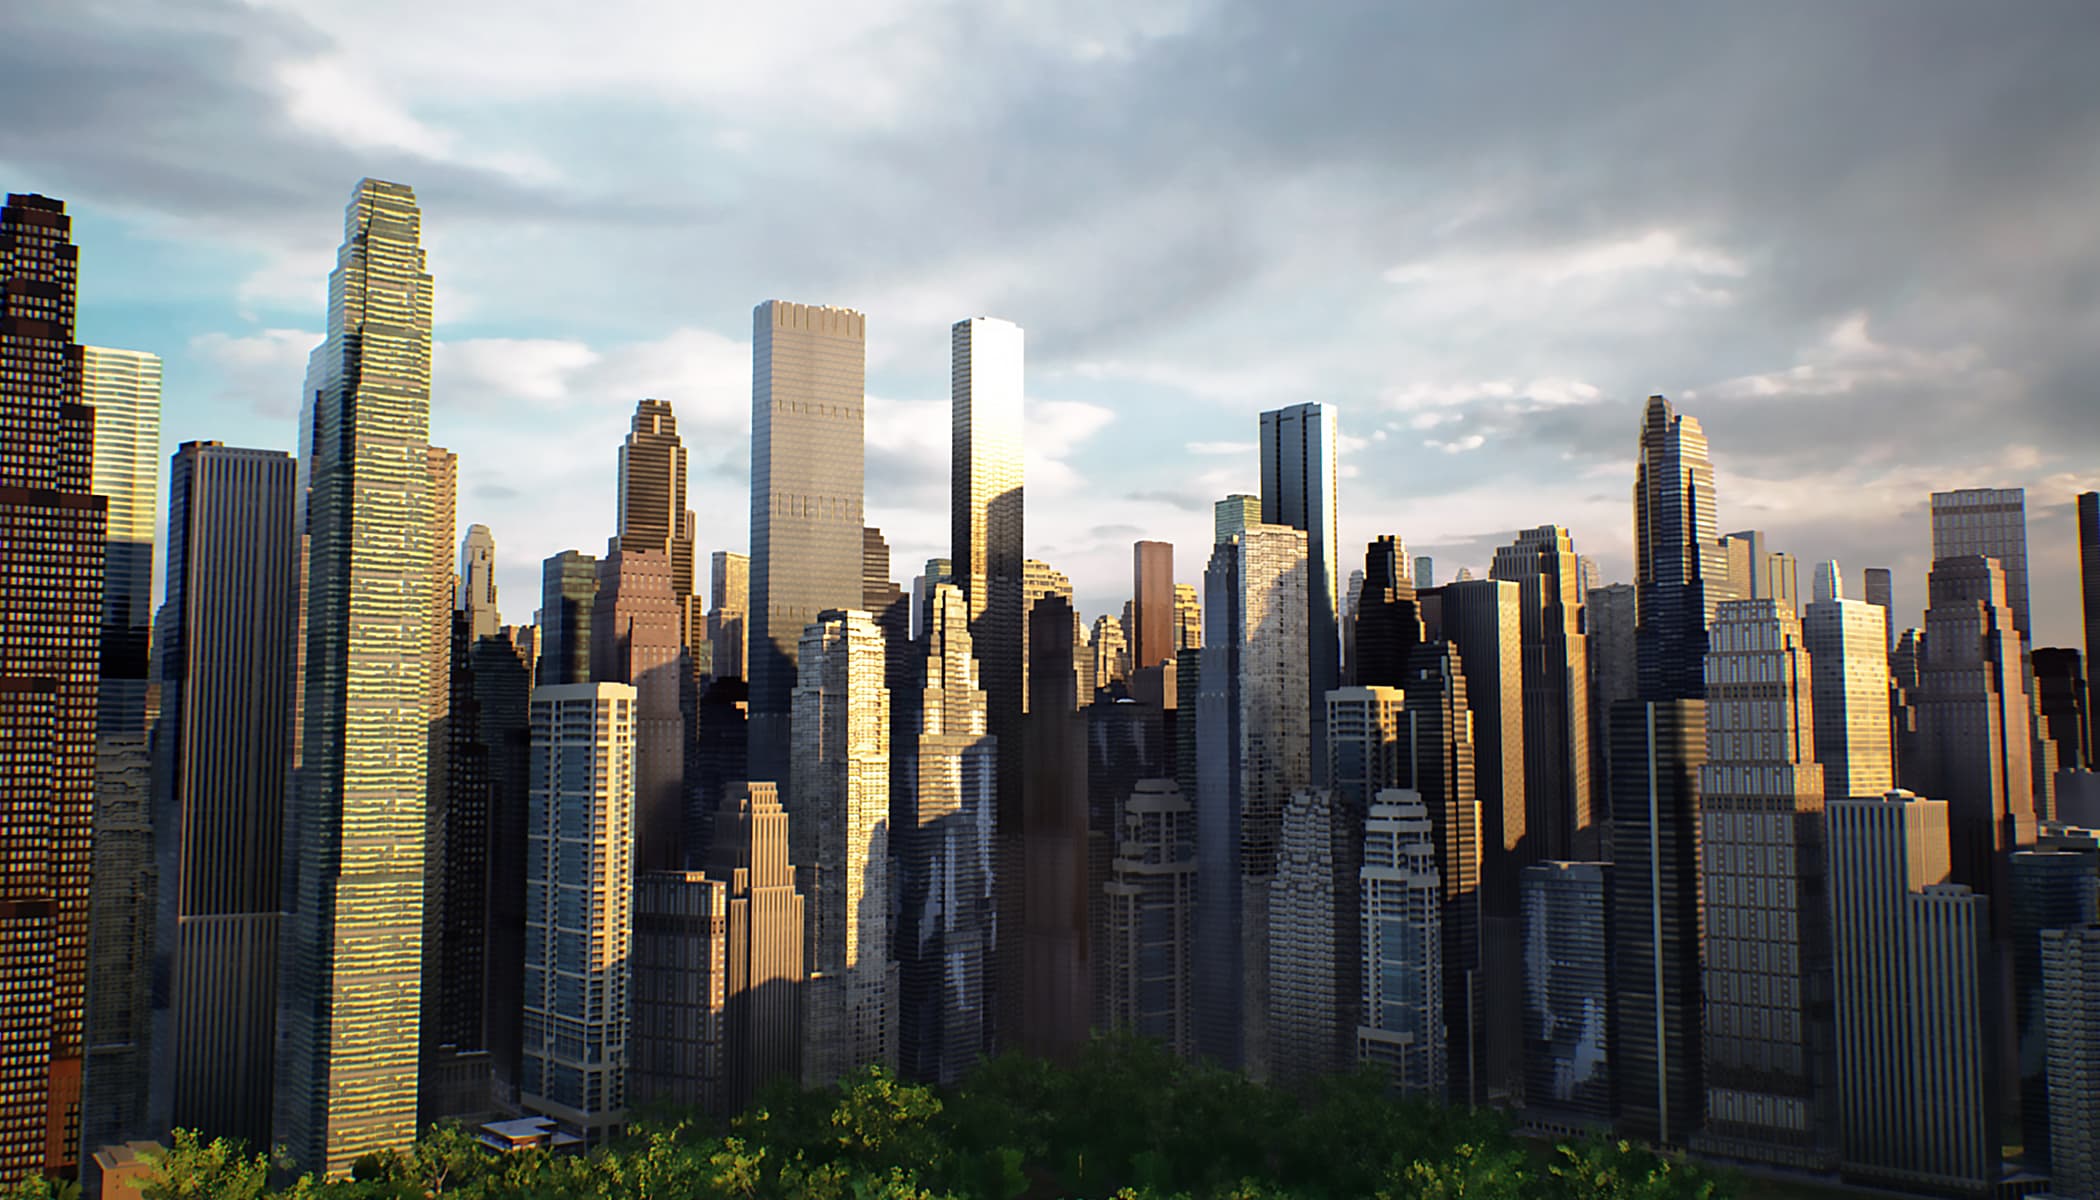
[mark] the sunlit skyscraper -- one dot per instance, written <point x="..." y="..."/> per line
<point x="1848" y="645"/>
<point x="653" y="515"/>
<point x="1298" y="489"/>
<point x="477" y="582"/>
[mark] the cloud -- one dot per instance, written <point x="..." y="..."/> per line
<point x="258" y="372"/>
<point x="1223" y="448"/>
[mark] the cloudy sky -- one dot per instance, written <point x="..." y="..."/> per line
<point x="1860" y="241"/>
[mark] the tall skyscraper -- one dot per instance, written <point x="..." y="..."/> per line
<point x="123" y="387"/>
<point x="1425" y="571"/>
<point x="1657" y="748"/>
<point x="1557" y="818"/>
<point x="945" y="863"/>
<point x="580" y="906"/>
<point x="635" y="639"/>
<point x="1972" y="723"/>
<point x="1991" y="522"/>
<point x="1363" y="758"/>
<point x="477" y="582"/>
<point x="501" y="670"/>
<point x="1188" y="618"/>
<point x="1305" y="1000"/>
<point x="225" y="739"/>
<point x="2089" y="594"/>
<point x="1153" y="600"/>
<point x="1912" y="981"/>
<point x="1387" y="621"/>
<point x="653" y="515"/>
<point x="1298" y="489"/>
<point x="1608" y="623"/>
<point x="568" y="596"/>
<point x="2071" y="978"/>
<point x="1680" y="567"/>
<point x="436" y="1074"/>
<point x="1848" y="646"/>
<point x="1767" y="967"/>
<point x="1758" y="572"/>
<point x="1254" y="750"/>
<point x="352" y="989"/>
<point x="1151" y="918"/>
<point x="1231" y="516"/>
<point x="1881" y="592"/>
<point x="1402" y="1028"/>
<point x="808" y="374"/>
<point x="840" y="805"/>
<point x="2051" y="889"/>
<point x="678" y="990"/>
<point x="1567" y="996"/>
<point x="2060" y="693"/>
<point x="730" y="589"/>
<point x="763" y="960"/>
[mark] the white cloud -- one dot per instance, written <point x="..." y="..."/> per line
<point x="1848" y="359"/>
<point x="259" y="372"/>
<point x="1221" y="448"/>
<point x="1471" y="441"/>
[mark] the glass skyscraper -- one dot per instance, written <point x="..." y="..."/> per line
<point x="1298" y="490"/>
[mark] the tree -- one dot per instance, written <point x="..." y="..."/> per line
<point x="193" y="1169"/>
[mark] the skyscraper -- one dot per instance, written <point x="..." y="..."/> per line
<point x="730" y="590"/>
<point x="1055" y="1004"/>
<point x="1758" y="572"/>
<point x="1305" y="1001"/>
<point x="1881" y="592"/>
<point x="653" y="515"/>
<point x="123" y="387"/>
<point x="1425" y="571"/>
<point x="440" y="591"/>
<point x="1402" y="1028"/>
<point x="1557" y="819"/>
<point x="1254" y="750"/>
<point x="678" y="990"/>
<point x="580" y="905"/>
<point x="1151" y="918"/>
<point x="1387" y="622"/>
<point x="1848" y="646"/>
<point x="1298" y="490"/>
<point x="1608" y="623"/>
<point x="1766" y="973"/>
<point x="945" y="856"/>
<point x="225" y="737"/>
<point x="1911" y="973"/>
<point x="763" y="950"/>
<point x="1188" y="618"/>
<point x="840" y="805"/>
<point x="808" y="371"/>
<point x="1567" y="996"/>
<point x="2089" y="593"/>
<point x="1482" y="619"/>
<point x="2060" y="693"/>
<point x="568" y="596"/>
<point x="2071" y="978"/>
<point x="1363" y="758"/>
<point x="1992" y="523"/>
<point x="477" y="582"/>
<point x="1680" y="567"/>
<point x="2051" y="889"/>
<point x="352" y="989"/>
<point x="1153" y="600"/>
<point x="635" y="639"/>
<point x="1231" y="516"/>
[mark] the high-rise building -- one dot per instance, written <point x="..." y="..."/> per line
<point x="1111" y="654"/>
<point x="1608" y="623"/>
<point x="1363" y="759"/>
<point x="1402" y="1028"/>
<point x="1126" y="743"/>
<point x="1757" y="572"/>
<point x="568" y="598"/>
<point x="944" y="942"/>
<point x="1254" y="750"/>
<point x="439" y="1074"/>
<point x="678" y="991"/>
<point x="1306" y="1036"/>
<point x="1388" y="623"/>
<point x="1905" y="656"/>
<point x="580" y="906"/>
<point x="1567" y="996"/>
<point x="225" y="740"/>
<point x="1188" y="618"/>
<point x="1425" y="571"/>
<point x="1972" y="723"/>
<point x="500" y="669"/>
<point x="2051" y="889"/>
<point x="1680" y="567"/>
<point x="1991" y="523"/>
<point x="1231" y="516"/>
<point x="763" y="961"/>
<point x="1911" y="980"/>
<point x="1767" y="968"/>
<point x="347" y="1056"/>
<point x="840" y="805"/>
<point x="1657" y="748"/>
<point x="457" y="1068"/>
<point x="123" y="387"/>
<point x="730" y="589"/>
<point x="2070" y="980"/>
<point x="1298" y="489"/>
<point x="1153" y="601"/>
<point x="635" y="640"/>
<point x="808" y="377"/>
<point x="1848" y="646"/>
<point x="1557" y="818"/>
<point x="1151" y="918"/>
<point x="653" y="515"/>
<point x="1056" y="957"/>
<point x="1881" y="592"/>
<point x="2089" y="594"/>
<point x="477" y="582"/>
<point x="2060" y="692"/>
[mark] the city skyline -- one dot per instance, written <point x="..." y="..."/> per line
<point x="1707" y="298"/>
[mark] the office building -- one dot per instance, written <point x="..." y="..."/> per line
<point x="1904" y="694"/>
<point x="1425" y="571"/>
<point x="652" y="510"/>
<point x="1402" y="1031"/>
<point x="1657" y="748"/>
<point x="1231" y="516"/>
<point x="1680" y="567"/>
<point x="1567" y="996"/>
<point x="123" y="389"/>
<point x="808" y="369"/>
<point x="579" y="907"/>
<point x="2060" y="691"/>
<point x="1306" y="1036"/>
<point x="1188" y="618"/>
<point x="2089" y="595"/>
<point x="568" y="599"/>
<point x="1758" y="572"/>
<point x="678" y="991"/>
<point x="1056" y="956"/>
<point x="1153" y="603"/>
<point x="1387" y="621"/>
<point x="347" y="1056"/>
<point x="1767" y="950"/>
<point x="944" y="863"/>
<point x="1126" y="743"/>
<point x="1151" y="895"/>
<point x="1298" y="489"/>
<point x="635" y="639"/>
<point x="225" y="735"/>
<point x="1881" y="592"/>
<point x="1111" y="654"/>
<point x="1556" y="715"/>
<point x="1254" y="749"/>
<point x="840" y="804"/>
<point x="500" y="671"/>
<point x="1912" y="980"/>
<point x="477" y="582"/>
<point x="1608" y="623"/>
<point x="1848" y="647"/>
<point x="2051" y="889"/>
<point x="1990" y="523"/>
<point x="1972" y="723"/>
<point x="730" y="589"/>
<point x="2070" y="980"/>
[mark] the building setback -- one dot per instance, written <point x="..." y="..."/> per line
<point x="635" y="640"/>
<point x="653" y="515"/>
<point x="762" y="953"/>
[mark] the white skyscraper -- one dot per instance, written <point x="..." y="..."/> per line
<point x="477" y="582"/>
<point x="1303" y="1002"/>
<point x="579" y="906"/>
<point x="1403" y="947"/>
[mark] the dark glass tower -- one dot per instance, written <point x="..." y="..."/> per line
<point x="1680" y="568"/>
<point x="1387" y="625"/>
<point x="2089" y="594"/>
<point x="568" y="592"/>
<point x="1298" y="490"/>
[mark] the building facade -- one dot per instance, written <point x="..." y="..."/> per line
<point x="636" y="640"/>
<point x="2070" y="980"/>
<point x="568" y="599"/>
<point x="1298" y="490"/>
<point x="1151" y="896"/>
<point x="1305" y="980"/>
<point x="1557" y="818"/>
<point x="1848" y="647"/>
<point x="1567" y="996"/>
<point x="1402" y="1031"/>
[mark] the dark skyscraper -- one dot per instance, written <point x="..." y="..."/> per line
<point x="1387" y="623"/>
<point x="1055" y="1004"/>
<point x="225" y="743"/>
<point x="2089" y="595"/>
<point x="568" y="592"/>
<point x="763" y="959"/>
<point x="1436" y="753"/>
<point x="1881" y="590"/>
<point x="2060" y="690"/>
<point x="1298" y="489"/>
<point x="1152" y="593"/>
<point x="52" y="531"/>
<point x="808" y="373"/>
<point x="1680" y="568"/>
<point x="653" y="515"/>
